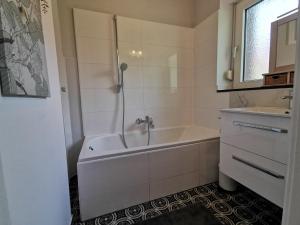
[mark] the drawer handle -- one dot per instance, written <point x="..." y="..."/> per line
<point x="278" y="176"/>
<point x="260" y="127"/>
<point x="275" y="77"/>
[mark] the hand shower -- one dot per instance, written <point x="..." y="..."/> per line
<point x="123" y="67"/>
<point x="120" y="84"/>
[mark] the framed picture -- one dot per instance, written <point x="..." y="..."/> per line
<point x="23" y="66"/>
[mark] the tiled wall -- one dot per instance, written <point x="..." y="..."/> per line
<point x="268" y="98"/>
<point x="159" y="83"/>
<point x="207" y="100"/>
<point x="174" y="80"/>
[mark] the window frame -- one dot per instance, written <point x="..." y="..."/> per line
<point x="239" y="45"/>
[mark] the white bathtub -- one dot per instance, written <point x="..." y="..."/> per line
<point x="111" y="177"/>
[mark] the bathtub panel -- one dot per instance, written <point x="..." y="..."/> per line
<point x="174" y="162"/>
<point x="111" y="174"/>
<point x="98" y="203"/>
<point x="173" y="185"/>
<point x="112" y="177"/>
<point x="209" y="166"/>
<point x="108" y="185"/>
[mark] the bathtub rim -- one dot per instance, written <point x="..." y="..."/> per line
<point x="141" y="149"/>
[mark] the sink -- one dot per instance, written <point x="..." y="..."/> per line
<point x="272" y="111"/>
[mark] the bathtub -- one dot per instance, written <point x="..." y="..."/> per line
<point x="111" y="177"/>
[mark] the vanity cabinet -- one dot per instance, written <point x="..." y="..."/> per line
<point x="254" y="150"/>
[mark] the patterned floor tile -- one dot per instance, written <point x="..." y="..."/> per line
<point x="242" y="207"/>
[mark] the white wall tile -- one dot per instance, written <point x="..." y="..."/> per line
<point x="95" y="75"/>
<point x="130" y="30"/>
<point x="133" y="77"/>
<point x="206" y="97"/>
<point x="167" y="35"/>
<point x="86" y="21"/>
<point x="159" y="83"/>
<point x="163" y="77"/>
<point x="94" y="50"/>
<point x="108" y="122"/>
<point x="205" y="76"/>
<point x="186" y="77"/>
<point x="186" y="59"/>
<point x="94" y="100"/>
<point x="168" y="98"/>
<point x="103" y="122"/>
<point x="208" y="117"/>
<point x="171" y="117"/>
<point x="271" y="98"/>
<point x="207" y="101"/>
<point x="125" y="51"/>
<point x="155" y="55"/>
<point x="158" y="76"/>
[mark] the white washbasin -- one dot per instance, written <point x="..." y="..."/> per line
<point x="272" y="111"/>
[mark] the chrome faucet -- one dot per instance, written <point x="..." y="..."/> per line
<point x="148" y="120"/>
<point x="290" y="98"/>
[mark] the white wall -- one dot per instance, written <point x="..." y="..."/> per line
<point x="225" y="27"/>
<point x="291" y="214"/>
<point x="33" y="151"/>
<point x="207" y="100"/>
<point x="4" y="212"/>
<point x="71" y="158"/>
<point x="157" y="84"/>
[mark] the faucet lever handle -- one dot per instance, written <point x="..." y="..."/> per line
<point x="139" y="121"/>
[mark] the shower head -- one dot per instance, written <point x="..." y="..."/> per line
<point x="123" y="67"/>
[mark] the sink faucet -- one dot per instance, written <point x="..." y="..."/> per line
<point x="290" y="98"/>
<point x="148" y="120"/>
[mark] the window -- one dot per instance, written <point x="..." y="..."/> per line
<point x="252" y="36"/>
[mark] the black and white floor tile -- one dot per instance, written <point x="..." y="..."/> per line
<point x="239" y="208"/>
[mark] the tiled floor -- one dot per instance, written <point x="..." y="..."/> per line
<point x="240" y="208"/>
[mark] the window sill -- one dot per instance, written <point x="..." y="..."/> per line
<point x="257" y="88"/>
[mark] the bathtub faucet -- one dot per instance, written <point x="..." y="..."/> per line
<point x="148" y="120"/>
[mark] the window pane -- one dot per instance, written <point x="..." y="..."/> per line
<point x="257" y="35"/>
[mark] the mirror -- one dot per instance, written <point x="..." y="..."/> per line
<point x="286" y="44"/>
<point x="283" y="44"/>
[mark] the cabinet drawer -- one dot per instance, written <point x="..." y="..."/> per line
<point x="262" y="135"/>
<point x="261" y="175"/>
